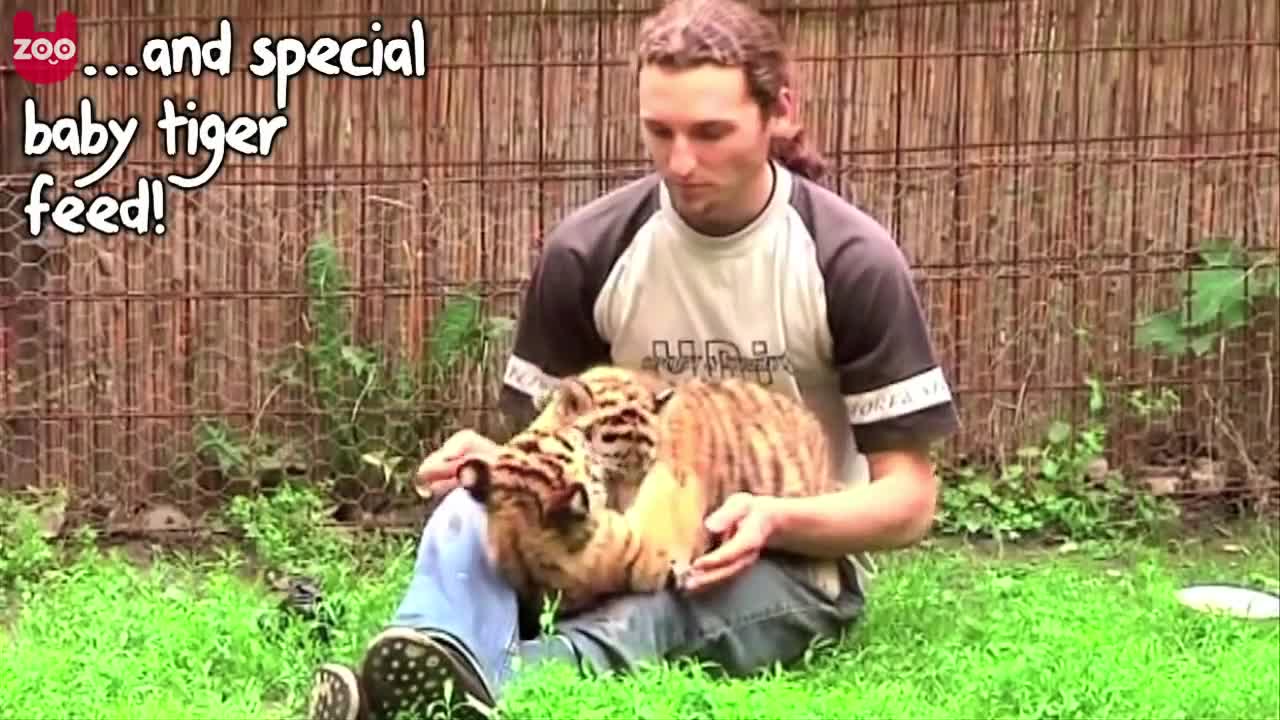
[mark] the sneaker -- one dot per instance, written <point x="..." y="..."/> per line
<point x="335" y="694"/>
<point x="406" y="671"/>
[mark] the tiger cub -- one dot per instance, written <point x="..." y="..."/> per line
<point x="692" y="446"/>
<point x="621" y="427"/>
<point x="617" y="409"/>
<point x="549" y="526"/>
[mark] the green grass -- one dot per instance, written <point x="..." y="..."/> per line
<point x="952" y="632"/>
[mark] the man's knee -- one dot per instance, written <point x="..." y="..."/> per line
<point x="459" y="507"/>
<point x="768" y="614"/>
<point x="456" y="514"/>
<point x="772" y="613"/>
<point x="454" y="587"/>
<point x="454" y="533"/>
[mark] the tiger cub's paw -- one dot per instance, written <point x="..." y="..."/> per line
<point x="651" y="574"/>
<point x="679" y="575"/>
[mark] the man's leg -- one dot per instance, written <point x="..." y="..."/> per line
<point x="770" y="613"/>
<point x="468" y="626"/>
<point x="457" y="622"/>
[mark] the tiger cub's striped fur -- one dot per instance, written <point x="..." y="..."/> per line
<point x="678" y="452"/>
<point x="549" y="527"/>
<point x="617" y="409"/>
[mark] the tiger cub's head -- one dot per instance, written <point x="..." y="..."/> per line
<point x="599" y="388"/>
<point x="540" y="479"/>
<point x="617" y="410"/>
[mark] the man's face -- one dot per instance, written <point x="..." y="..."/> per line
<point x="708" y="140"/>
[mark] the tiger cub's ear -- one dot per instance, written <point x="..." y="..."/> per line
<point x="568" y="505"/>
<point x="572" y="398"/>
<point x="475" y="475"/>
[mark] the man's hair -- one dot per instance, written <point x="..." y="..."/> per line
<point x="689" y="33"/>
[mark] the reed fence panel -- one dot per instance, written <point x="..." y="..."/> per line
<point x="1051" y="168"/>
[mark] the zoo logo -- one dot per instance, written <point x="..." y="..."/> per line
<point x="47" y="57"/>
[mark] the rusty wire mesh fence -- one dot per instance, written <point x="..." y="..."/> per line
<point x="1053" y="168"/>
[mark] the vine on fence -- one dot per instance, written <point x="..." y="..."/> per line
<point x="1221" y="296"/>
<point x="372" y="411"/>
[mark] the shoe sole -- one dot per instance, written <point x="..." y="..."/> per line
<point x="335" y="694"/>
<point x="405" y="671"/>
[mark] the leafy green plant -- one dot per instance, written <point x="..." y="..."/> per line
<point x="286" y="530"/>
<point x="237" y="454"/>
<point x="373" y="410"/>
<point x="26" y="551"/>
<point x="1061" y="486"/>
<point x="363" y="400"/>
<point x="1220" y="297"/>
<point x="35" y="541"/>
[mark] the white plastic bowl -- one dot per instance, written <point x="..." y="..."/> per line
<point x="1234" y="600"/>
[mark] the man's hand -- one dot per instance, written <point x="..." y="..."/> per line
<point x="894" y="511"/>
<point x="438" y="473"/>
<point x="744" y="524"/>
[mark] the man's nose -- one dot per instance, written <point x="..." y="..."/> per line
<point x="681" y="161"/>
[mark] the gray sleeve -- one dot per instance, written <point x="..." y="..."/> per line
<point x="556" y="334"/>
<point x="894" y="389"/>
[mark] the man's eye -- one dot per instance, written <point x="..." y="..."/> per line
<point x="714" y="132"/>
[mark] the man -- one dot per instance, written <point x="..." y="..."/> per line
<point x="728" y="259"/>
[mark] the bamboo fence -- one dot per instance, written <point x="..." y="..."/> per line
<point x="1049" y="166"/>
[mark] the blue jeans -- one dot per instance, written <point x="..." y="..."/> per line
<point x="767" y="614"/>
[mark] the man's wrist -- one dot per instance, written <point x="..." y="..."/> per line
<point x="782" y="515"/>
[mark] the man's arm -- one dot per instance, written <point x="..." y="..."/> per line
<point x="895" y="510"/>
<point x="899" y="404"/>
<point x="556" y="335"/>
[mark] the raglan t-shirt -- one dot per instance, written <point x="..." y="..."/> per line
<point x="812" y="298"/>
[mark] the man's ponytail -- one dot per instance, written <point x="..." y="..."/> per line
<point x="797" y="155"/>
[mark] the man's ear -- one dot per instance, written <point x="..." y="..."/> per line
<point x="783" y="116"/>
<point x="568" y="505"/>
<point x="475" y="475"/>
